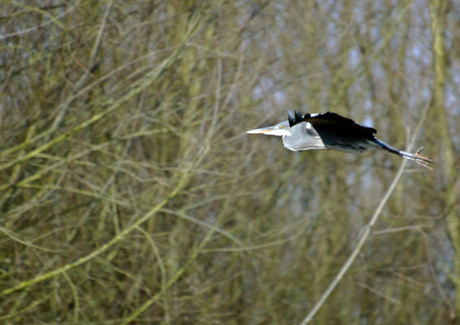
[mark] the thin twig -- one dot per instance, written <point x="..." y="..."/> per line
<point x="378" y="293"/>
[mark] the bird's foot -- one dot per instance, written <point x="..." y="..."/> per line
<point x="422" y="160"/>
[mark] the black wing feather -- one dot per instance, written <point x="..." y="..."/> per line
<point x="291" y="118"/>
<point x="336" y="122"/>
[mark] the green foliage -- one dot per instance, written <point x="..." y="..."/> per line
<point x="130" y="193"/>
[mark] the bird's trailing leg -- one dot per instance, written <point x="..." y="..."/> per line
<point x="417" y="156"/>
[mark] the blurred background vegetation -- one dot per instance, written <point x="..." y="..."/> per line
<point x="131" y="193"/>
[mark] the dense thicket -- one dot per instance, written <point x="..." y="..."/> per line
<point x="129" y="191"/>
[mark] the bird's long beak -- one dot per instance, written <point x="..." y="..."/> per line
<point x="271" y="130"/>
<point x="261" y="131"/>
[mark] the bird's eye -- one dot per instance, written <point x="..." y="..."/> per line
<point x="282" y="126"/>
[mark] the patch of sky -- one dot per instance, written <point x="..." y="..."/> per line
<point x="354" y="58"/>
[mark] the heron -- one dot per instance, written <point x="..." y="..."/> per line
<point x="331" y="131"/>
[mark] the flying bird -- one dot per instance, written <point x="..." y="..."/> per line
<point x="330" y="131"/>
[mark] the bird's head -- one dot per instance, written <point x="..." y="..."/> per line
<point x="298" y="134"/>
<point x="281" y="129"/>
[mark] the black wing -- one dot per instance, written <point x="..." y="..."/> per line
<point x="334" y="123"/>
<point x="337" y="132"/>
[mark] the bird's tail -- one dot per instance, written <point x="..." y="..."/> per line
<point x="417" y="156"/>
